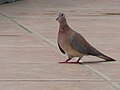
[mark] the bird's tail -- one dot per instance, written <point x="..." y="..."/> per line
<point x="95" y="52"/>
<point x="106" y="57"/>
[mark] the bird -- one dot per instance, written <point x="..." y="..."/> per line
<point x="73" y="44"/>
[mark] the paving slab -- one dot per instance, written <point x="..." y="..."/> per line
<point x="55" y="85"/>
<point x="47" y="71"/>
<point x="29" y="54"/>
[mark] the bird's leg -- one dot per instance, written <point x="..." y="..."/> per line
<point x="78" y="61"/>
<point x="66" y="61"/>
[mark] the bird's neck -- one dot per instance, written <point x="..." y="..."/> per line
<point x="64" y="24"/>
<point x="64" y="27"/>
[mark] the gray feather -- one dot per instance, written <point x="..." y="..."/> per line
<point x="84" y="48"/>
<point x="78" y="45"/>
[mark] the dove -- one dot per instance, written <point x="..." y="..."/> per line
<point x="73" y="44"/>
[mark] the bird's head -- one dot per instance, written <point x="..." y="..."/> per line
<point x="61" y="17"/>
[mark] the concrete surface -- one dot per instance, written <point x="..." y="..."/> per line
<point x="7" y="1"/>
<point x="28" y="50"/>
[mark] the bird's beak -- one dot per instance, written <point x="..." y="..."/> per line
<point x="57" y="18"/>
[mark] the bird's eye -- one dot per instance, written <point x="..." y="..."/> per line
<point x="62" y="14"/>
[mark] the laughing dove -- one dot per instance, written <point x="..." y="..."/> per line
<point x="74" y="44"/>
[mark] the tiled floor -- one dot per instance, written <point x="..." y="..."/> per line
<point x="29" y="54"/>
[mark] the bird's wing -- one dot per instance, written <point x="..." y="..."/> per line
<point x="80" y="44"/>
<point x="61" y="49"/>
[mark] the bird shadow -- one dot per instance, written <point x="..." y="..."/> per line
<point x="93" y="62"/>
<point x="87" y="62"/>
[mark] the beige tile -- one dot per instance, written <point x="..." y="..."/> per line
<point x="55" y="85"/>
<point x="29" y="62"/>
<point x="29" y="55"/>
<point x="45" y="71"/>
<point x="20" y="40"/>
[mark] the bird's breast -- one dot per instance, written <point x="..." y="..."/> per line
<point x="64" y="42"/>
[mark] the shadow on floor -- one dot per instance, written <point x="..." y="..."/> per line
<point x="93" y="62"/>
<point x="87" y="62"/>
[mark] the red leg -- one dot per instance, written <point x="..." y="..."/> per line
<point x="77" y="62"/>
<point x="66" y="60"/>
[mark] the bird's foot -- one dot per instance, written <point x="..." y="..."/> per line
<point x="75" y="62"/>
<point x="71" y="62"/>
<point x="63" y="62"/>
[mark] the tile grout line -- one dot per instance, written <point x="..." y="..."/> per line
<point x="36" y="17"/>
<point x="52" y="44"/>
<point x="50" y="80"/>
<point x="109" y="81"/>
